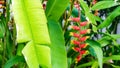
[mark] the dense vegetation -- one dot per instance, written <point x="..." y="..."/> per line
<point x="59" y="34"/>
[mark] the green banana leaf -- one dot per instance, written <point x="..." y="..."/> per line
<point x="31" y="25"/>
<point x="55" y="8"/>
<point x="58" y="51"/>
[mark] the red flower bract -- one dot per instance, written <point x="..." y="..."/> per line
<point x="82" y="52"/>
<point x="78" y="58"/>
<point x="75" y="19"/>
<point x="82" y="39"/>
<point x="75" y="35"/>
<point x="75" y="42"/>
<point x="84" y="23"/>
<point x="83" y="45"/>
<point x="76" y="49"/>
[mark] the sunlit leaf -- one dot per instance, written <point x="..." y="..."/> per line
<point x="37" y="55"/>
<point x="30" y="21"/>
<point x="104" y="4"/>
<point x="31" y="25"/>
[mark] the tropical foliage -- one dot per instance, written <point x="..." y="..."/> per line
<point x="59" y="34"/>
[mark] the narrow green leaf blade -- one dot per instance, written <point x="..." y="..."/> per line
<point x="58" y="52"/>
<point x="84" y="6"/>
<point x="97" y="48"/>
<point x="113" y="57"/>
<point x="13" y="61"/>
<point x="87" y="12"/>
<point x="55" y="8"/>
<point x="104" y="4"/>
<point x="110" y="18"/>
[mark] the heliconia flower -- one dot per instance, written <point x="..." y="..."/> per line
<point x="74" y="34"/>
<point x="77" y="6"/>
<point x="82" y="39"/>
<point x="78" y="58"/>
<point x="75" y="42"/>
<point x="84" y="23"/>
<point x="85" y="31"/>
<point x="77" y="49"/>
<point x="77" y="19"/>
<point x="83" y="45"/>
<point x="83" y="52"/>
<point x="2" y="2"/>
<point x="75" y="27"/>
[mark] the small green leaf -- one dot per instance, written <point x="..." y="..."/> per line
<point x="2" y="26"/>
<point x="104" y="4"/>
<point x="85" y="64"/>
<point x="104" y="40"/>
<point x="97" y="48"/>
<point x="94" y="28"/>
<point x="115" y="36"/>
<point x="113" y="57"/>
<point x="91" y="18"/>
<point x="84" y="6"/>
<point x="110" y="18"/>
<point x="13" y="61"/>
<point x="115" y="66"/>
<point x="87" y="12"/>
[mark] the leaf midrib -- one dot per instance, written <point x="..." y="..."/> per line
<point x="51" y="8"/>
<point x="28" y="21"/>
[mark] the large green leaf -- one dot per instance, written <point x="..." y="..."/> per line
<point x="58" y="52"/>
<point x="30" y="21"/>
<point x="110" y="18"/>
<point x="98" y="51"/>
<point x="55" y="8"/>
<point x="37" y="54"/>
<point x="104" y="4"/>
<point x="31" y="25"/>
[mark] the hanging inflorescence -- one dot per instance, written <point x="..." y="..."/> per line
<point x="80" y="34"/>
